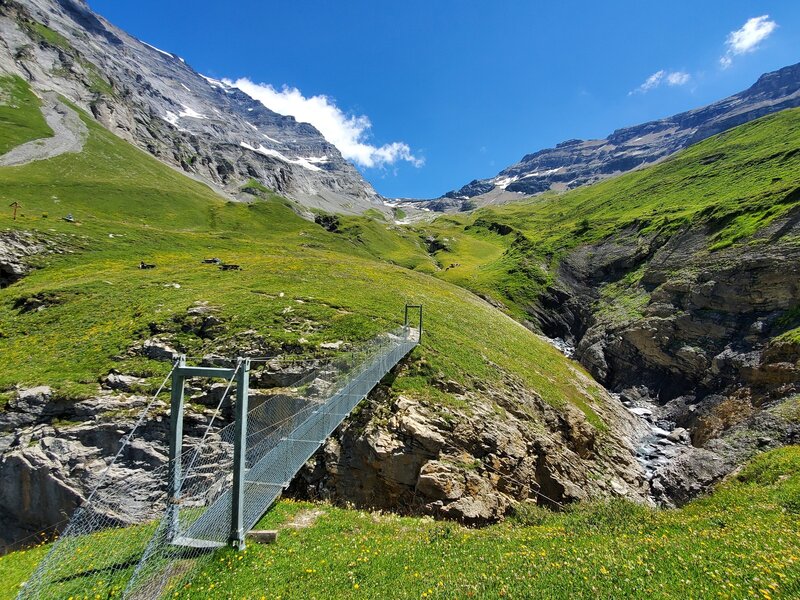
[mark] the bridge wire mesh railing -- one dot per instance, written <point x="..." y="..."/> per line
<point x="283" y="432"/>
<point x="98" y="542"/>
<point x="128" y="539"/>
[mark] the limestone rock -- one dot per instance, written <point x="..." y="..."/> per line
<point x="472" y="465"/>
<point x="16" y="247"/>
<point x="331" y="345"/>
<point x="156" y="349"/>
<point x="53" y="452"/>
<point x="692" y="473"/>
<point x="125" y="383"/>
<point x="439" y="481"/>
<point x="280" y="374"/>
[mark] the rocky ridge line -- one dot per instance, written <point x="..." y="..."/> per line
<point x="574" y="163"/>
<point x="156" y="101"/>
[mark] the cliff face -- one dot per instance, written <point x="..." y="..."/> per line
<point x="694" y="339"/>
<point x="156" y="101"/>
<point x="474" y="463"/>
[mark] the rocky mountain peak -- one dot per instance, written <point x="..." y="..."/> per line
<point x="157" y="101"/>
<point x="780" y="82"/>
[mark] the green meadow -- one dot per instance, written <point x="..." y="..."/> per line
<point x="743" y="541"/>
<point x="300" y="285"/>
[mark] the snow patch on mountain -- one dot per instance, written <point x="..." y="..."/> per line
<point x="306" y="163"/>
<point x="216" y="83"/>
<point x="504" y="182"/>
<point x="158" y="50"/>
<point x="188" y="111"/>
<point x="542" y="173"/>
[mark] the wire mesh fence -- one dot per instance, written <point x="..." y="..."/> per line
<point x="133" y="539"/>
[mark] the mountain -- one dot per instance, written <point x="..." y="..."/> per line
<point x="674" y="290"/>
<point x="83" y="331"/>
<point x="579" y="162"/>
<point x="156" y="101"/>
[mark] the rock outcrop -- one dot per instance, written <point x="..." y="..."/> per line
<point x="55" y="451"/>
<point x="18" y="248"/>
<point x="694" y="338"/>
<point x="473" y="464"/>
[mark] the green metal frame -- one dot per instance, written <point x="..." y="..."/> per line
<point x="242" y="379"/>
<point x="239" y="460"/>
<point x="179" y="376"/>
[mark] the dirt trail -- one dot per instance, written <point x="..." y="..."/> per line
<point x="69" y="135"/>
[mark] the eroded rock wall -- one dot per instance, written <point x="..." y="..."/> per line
<point x="691" y="335"/>
<point x="473" y="460"/>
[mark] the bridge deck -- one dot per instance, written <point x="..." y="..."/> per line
<point x="269" y="476"/>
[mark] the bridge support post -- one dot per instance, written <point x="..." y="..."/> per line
<point x="239" y="455"/>
<point x="175" y="447"/>
<point x="419" y="309"/>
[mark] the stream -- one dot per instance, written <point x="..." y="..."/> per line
<point x="662" y="441"/>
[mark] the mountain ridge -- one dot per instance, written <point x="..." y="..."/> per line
<point x="155" y="100"/>
<point x="577" y="162"/>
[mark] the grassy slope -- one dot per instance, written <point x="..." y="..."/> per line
<point x="298" y="281"/>
<point x="18" y="123"/>
<point x="739" y="180"/>
<point x="742" y="542"/>
<point x="735" y="182"/>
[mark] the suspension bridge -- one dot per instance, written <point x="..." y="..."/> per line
<point x="140" y="536"/>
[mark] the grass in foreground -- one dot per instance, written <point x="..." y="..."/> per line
<point x="743" y="541"/>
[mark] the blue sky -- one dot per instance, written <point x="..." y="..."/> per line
<point x="425" y="95"/>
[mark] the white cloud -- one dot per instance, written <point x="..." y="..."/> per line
<point x="349" y="133"/>
<point x="747" y="38"/>
<point x="652" y="82"/>
<point x="671" y="78"/>
<point x="678" y="78"/>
